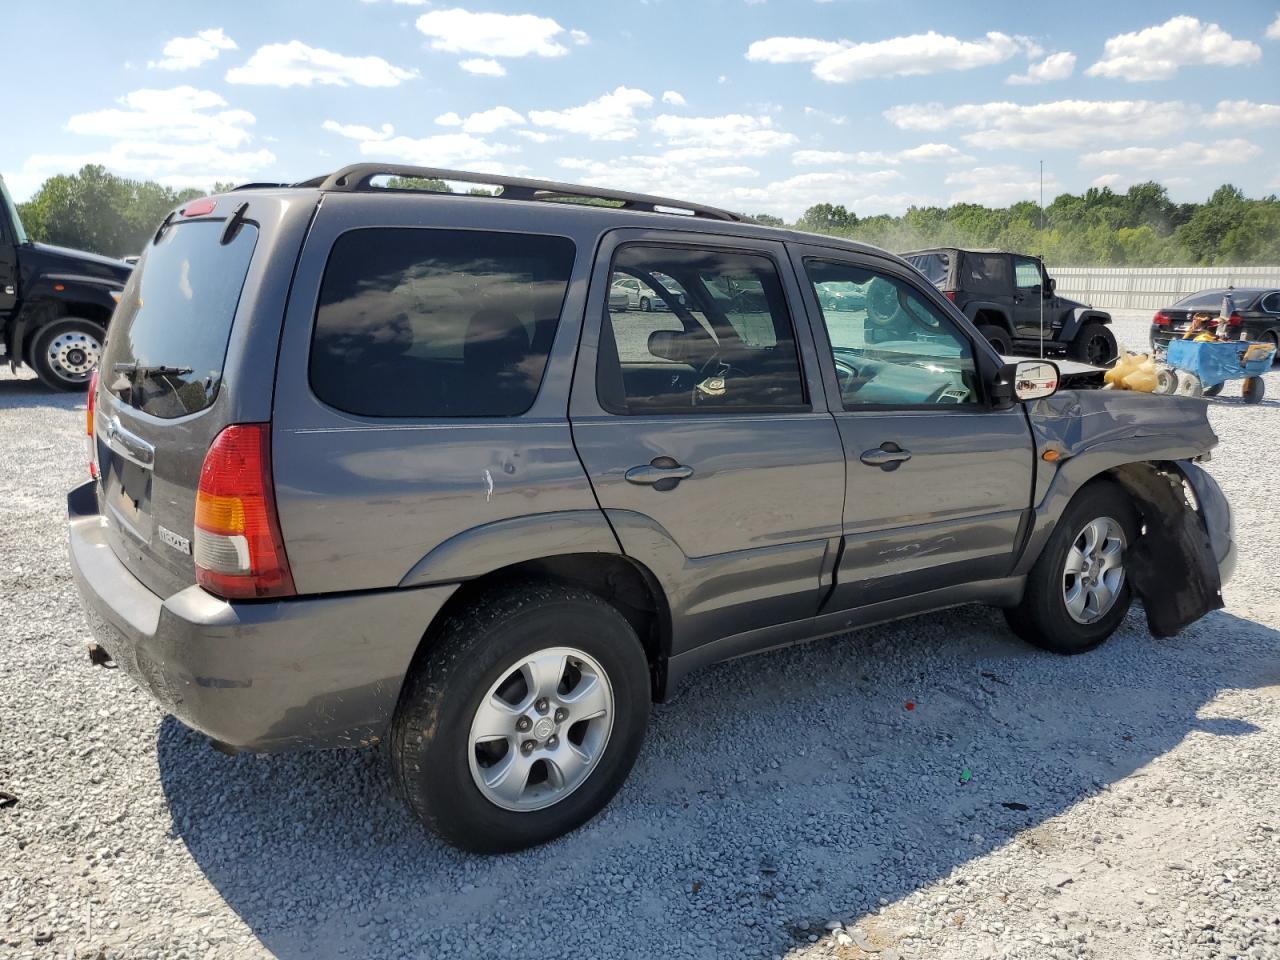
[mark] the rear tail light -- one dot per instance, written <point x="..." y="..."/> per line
<point x="239" y="552"/>
<point x="1235" y="320"/>
<point x="950" y="295"/>
<point x="1160" y="320"/>
<point x="90" y="445"/>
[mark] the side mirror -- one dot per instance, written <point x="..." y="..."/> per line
<point x="1024" y="380"/>
<point x="1050" y="287"/>
<point x="668" y="345"/>
<point x="1034" y="379"/>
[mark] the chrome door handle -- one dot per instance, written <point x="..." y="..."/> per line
<point x="661" y="473"/>
<point x="887" y="456"/>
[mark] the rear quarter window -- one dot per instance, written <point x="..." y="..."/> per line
<point x="168" y="338"/>
<point x="416" y="322"/>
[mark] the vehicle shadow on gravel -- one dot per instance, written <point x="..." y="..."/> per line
<point x="26" y="392"/>
<point x="790" y="788"/>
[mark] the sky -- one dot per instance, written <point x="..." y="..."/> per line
<point x="761" y="106"/>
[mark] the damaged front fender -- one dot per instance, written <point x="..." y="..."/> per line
<point x="1145" y="443"/>
<point x="1175" y="566"/>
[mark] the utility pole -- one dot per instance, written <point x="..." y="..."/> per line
<point x="1043" y="289"/>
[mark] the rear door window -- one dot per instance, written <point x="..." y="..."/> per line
<point x="935" y="266"/>
<point x="168" y="339"/>
<point x="986" y="273"/>
<point x="437" y="323"/>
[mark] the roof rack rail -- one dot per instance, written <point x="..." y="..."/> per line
<point x="357" y="177"/>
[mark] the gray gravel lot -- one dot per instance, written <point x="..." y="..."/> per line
<point x="1119" y="804"/>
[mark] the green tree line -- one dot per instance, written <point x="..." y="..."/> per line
<point x="1141" y="227"/>
<point x="98" y="211"/>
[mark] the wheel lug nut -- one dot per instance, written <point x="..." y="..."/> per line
<point x="527" y="747"/>
<point x="523" y="724"/>
<point x="561" y="714"/>
<point x="553" y="742"/>
<point x="542" y="705"/>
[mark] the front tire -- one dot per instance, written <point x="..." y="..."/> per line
<point x="65" y="353"/>
<point x="1077" y="593"/>
<point x="522" y="718"/>
<point x="645" y="305"/>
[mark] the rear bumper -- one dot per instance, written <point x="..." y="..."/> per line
<point x="272" y="675"/>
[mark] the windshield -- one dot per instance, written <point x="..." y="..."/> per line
<point x="20" y="235"/>
<point x="168" y="339"/>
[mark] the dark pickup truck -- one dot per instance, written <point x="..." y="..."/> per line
<point x="54" y="303"/>
<point x="1008" y="296"/>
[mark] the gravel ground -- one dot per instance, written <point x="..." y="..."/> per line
<point x="1122" y="803"/>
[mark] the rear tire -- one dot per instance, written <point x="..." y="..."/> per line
<point x="488" y="666"/>
<point x="1094" y="344"/>
<point x="1045" y="616"/>
<point x="65" y="353"/>
<point x="998" y="337"/>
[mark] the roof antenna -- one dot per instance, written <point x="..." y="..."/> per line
<point x="1043" y="290"/>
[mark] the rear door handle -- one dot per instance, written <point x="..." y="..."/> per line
<point x="887" y="456"/>
<point x="661" y="473"/>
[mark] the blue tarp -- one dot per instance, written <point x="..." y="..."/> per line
<point x="1214" y="362"/>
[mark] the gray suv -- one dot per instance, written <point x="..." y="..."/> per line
<point x="379" y="465"/>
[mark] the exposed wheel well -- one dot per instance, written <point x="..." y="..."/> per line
<point x="624" y="584"/>
<point x="991" y="317"/>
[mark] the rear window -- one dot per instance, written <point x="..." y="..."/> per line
<point x="168" y="338"/>
<point x="934" y="266"/>
<point x="985" y="273"/>
<point x="437" y="323"/>
<point x="1213" y="299"/>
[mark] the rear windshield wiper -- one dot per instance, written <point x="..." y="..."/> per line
<point x="135" y="370"/>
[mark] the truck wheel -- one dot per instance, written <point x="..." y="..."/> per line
<point x="998" y="337"/>
<point x="523" y="719"/>
<point x="65" y="353"/>
<point x="1094" y="344"/>
<point x="1254" y="389"/>
<point x="1077" y="592"/>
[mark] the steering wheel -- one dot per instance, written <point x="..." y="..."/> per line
<point x="881" y="302"/>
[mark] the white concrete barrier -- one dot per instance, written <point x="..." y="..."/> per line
<point x="1119" y="288"/>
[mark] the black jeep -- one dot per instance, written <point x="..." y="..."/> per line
<point x="1008" y="296"/>
<point x="54" y="303"/>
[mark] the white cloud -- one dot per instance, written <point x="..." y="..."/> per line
<point x="180" y="113"/>
<point x="924" y="152"/>
<point x="1273" y="31"/>
<point x="183" y="53"/>
<point x="536" y="136"/>
<point x="172" y="164"/>
<point x="294" y="64"/>
<point x="825" y="117"/>
<point x="1062" y="123"/>
<point x="1157" y="52"/>
<point x="1217" y="153"/>
<point x="673" y="97"/>
<point x="867" y="192"/>
<point x="486" y="121"/>
<point x="482" y="67"/>
<point x="355" y="131"/>
<point x="999" y="185"/>
<point x="1113" y="180"/>
<point x="733" y="134"/>
<point x="495" y="34"/>
<point x="610" y="117"/>
<point x="1239" y="113"/>
<point x="1056" y="66"/>
<point x="793" y="49"/>
<point x="923" y="53"/>
<point x="442" y="150"/>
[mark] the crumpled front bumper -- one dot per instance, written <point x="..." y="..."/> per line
<point x="267" y="675"/>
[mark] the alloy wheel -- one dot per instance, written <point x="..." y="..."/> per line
<point x="1093" y="575"/>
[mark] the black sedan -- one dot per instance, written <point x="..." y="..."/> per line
<point x="1256" y="315"/>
